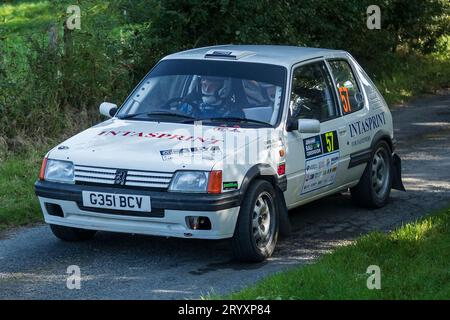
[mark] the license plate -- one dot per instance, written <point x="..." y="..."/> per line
<point x="126" y="202"/>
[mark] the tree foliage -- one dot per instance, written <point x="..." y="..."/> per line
<point x="171" y="25"/>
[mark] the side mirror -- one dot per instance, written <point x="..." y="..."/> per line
<point x="108" y="109"/>
<point x="308" y="126"/>
<point x="305" y="126"/>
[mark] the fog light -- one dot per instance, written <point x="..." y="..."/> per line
<point x="54" y="210"/>
<point x="198" y="223"/>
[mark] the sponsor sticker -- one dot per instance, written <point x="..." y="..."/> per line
<point x="157" y="135"/>
<point x="274" y="143"/>
<point x="368" y="124"/>
<point x="361" y="141"/>
<point x="320" y="172"/>
<point x="313" y="147"/>
<point x="230" y="185"/>
<point x="206" y="152"/>
<point x="321" y="144"/>
<point x="224" y="128"/>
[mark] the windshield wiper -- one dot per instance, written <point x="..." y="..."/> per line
<point x="170" y="113"/>
<point x="236" y="119"/>
<point x="132" y="115"/>
<point x="158" y="112"/>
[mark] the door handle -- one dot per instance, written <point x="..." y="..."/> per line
<point x="342" y="131"/>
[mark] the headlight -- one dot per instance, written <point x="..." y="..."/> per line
<point x="59" y="171"/>
<point x="190" y="181"/>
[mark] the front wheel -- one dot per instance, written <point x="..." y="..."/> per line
<point x="72" y="234"/>
<point x="256" y="231"/>
<point x="374" y="187"/>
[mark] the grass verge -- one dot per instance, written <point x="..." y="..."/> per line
<point x="18" y="204"/>
<point x="414" y="262"/>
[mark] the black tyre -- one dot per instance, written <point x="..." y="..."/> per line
<point x="256" y="230"/>
<point x="72" y="234"/>
<point x="374" y="187"/>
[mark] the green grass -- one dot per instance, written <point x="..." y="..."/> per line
<point x="25" y="16"/>
<point x="18" y="204"/>
<point x="414" y="262"/>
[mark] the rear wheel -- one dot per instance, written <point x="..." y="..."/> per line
<point x="374" y="187"/>
<point x="72" y="234"/>
<point x="256" y="231"/>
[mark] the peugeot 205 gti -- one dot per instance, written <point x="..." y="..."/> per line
<point x="221" y="142"/>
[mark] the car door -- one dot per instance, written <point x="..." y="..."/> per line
<point x="356" y="115"/>
<point x="313" y="160"/>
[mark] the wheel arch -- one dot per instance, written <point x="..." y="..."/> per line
<point x="266" y="172"/>
<point x="385" y="136"/>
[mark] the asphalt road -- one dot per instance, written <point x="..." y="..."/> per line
<point x="33" y="263"/>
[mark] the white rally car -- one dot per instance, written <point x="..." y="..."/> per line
<point x="220" y="142"/>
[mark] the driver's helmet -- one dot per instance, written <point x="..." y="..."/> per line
<point x="214" y="89"/>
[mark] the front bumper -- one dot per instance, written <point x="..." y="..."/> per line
<point x="167" y="216"/>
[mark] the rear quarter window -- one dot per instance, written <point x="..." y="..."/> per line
<point x="349" y="92"/>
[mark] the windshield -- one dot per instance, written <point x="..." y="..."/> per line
<point x="209" y="91"/>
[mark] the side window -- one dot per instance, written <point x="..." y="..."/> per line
<point x="349" y="92"/>
<point x="312" y="94"/>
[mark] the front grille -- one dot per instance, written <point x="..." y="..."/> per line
<point x="134" y="178"/>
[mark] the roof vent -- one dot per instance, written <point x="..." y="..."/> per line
<point x="228" y="54"/>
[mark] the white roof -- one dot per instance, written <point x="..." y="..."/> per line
<point x="270" y="54"/>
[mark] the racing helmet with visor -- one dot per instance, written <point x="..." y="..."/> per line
<point x="214" y="89"/>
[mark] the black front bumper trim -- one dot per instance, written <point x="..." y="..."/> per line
<point x="159" y="199"/>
